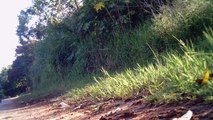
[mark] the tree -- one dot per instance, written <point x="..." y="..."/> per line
<point x="16" y="79"/>
<point x="3" y="80"/>
<point x="4" y="83"/>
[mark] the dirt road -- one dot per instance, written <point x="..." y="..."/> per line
<point x="135" y="109"/>
<point x="7" y="104"/>
<point x="9" y="110"/>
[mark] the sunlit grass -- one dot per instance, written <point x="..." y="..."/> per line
<point x="59" y="87"/>
<point x="171" y="78"/>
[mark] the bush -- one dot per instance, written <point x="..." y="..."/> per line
<point x="172" y="78"/>
<point x="1" y="94"/>
<point x="130" y="48"/>
<point x="82" y="41"/>
<point x="184" y="19"/>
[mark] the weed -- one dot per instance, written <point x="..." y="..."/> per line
<point x="171" y="79"/>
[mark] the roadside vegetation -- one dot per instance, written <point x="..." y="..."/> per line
<point x="116" y="49"/>
<point x="172" y="78"/>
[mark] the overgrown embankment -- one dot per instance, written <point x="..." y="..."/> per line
<point x="117" y="49"/>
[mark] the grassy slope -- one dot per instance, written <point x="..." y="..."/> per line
<point x="170" y="77"/>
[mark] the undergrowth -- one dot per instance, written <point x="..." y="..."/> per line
<point x="57" y="87"/>
<point x="149" y="57"/>
<point x="171" y="78"/>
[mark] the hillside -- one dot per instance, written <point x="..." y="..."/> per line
<point x="150" y="59"/>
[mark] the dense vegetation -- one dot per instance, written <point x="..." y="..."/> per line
<point x="114" y="49"/>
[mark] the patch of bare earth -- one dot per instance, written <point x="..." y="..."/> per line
<point x="44" y="110"/>
<point x="135" y="109"/>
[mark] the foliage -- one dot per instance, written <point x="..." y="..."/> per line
<point x="3" y="75"/>
<point x="185" y="20"/>
<point x="99" y="6"/>
<point x="56" y="86"/>
<point x="99" y="19"/>
<point x="73" y="39"/>
<point x="3" y="82"/>
<point x="1" y="95"/>
<point x="78" y="39"/>
<point x="16" y="78"/>
<point x="130" y="48"/>
<point x="172" y="78"/>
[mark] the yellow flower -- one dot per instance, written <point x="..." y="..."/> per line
<point x="99" y="6"/>
<point x="206" y="77"/>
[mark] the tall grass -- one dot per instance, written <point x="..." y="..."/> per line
<point x="185" y="19"/>
<point x="164" y="76"/>
<point x="172" y="78"/>
<point x="130" y="47"/>
<point x="56" y="86"/>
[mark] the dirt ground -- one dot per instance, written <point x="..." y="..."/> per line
<point x="134" y="109"/>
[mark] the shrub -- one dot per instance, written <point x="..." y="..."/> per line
<point x="184" y="19"/>
<point x="1" y="94"/>
<point x="130" y="48"/>
<point x="172" y="78"/>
